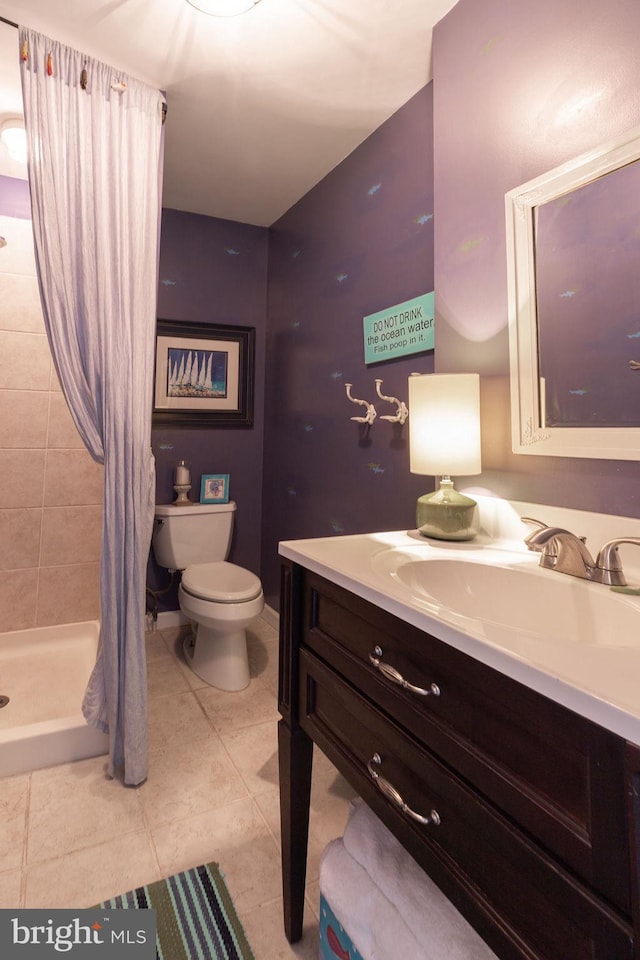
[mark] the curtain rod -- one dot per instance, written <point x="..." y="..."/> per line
<point x="10" y="23"/>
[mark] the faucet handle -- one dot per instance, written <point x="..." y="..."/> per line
<point x="537" y="523"/>
<point x="530" y="539"/>
<point x="609" y="563"/>
<point x="542" y="540"/>
<point x="544" y="534"/>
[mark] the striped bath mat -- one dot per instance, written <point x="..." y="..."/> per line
<point x="195" y="916"/>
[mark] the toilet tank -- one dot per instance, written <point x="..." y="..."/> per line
<point x="198" y="533"/>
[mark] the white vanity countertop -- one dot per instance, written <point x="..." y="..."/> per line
<point x="598" y="680"/>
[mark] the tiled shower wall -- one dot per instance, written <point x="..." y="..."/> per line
<point x="50" y="488"/>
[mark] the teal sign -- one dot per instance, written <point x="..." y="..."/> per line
<point x="399" y="331"/>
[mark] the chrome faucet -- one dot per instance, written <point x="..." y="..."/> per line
<point x="561" y="550"/>
<point x="566" y="553"/>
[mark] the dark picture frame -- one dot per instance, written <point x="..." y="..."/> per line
<point x="203" y="375"/>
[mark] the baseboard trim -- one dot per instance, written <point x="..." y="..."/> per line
<point x="171" y="618"/>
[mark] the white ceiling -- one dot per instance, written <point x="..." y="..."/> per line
<point x="260" y="106"/>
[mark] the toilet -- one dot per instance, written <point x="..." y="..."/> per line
<point x="220" y="598"/>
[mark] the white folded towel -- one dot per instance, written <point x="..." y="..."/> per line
<point x="426" y="911"/>
<point x="372" y="923"/>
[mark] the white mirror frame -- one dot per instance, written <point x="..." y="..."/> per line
<point x="528" y="434"/>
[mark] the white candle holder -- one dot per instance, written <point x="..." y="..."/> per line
<point x="182" y="489"/>
<point x="182" y="485"/>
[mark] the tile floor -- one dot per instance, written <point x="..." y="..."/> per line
<point x="71" y="837"/>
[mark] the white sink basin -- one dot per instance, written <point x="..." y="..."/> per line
<point x="522" y="598"/>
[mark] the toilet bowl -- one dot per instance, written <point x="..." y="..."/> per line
<point x="219" y="598"/>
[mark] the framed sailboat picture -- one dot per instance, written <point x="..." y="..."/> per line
<point x="203" y="375"/>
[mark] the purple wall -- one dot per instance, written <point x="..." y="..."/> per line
<point x="359" y="242"/>
<point x="215" y="271"/>
<point x="15" y="199"/>
<point x="519" y="88"/>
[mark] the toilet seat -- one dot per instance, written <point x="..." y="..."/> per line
<point x="221" y="582"/>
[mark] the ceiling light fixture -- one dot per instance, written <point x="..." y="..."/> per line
<point x="223" y="8"/>
<point x="14" y="137"/>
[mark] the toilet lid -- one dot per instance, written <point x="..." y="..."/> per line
<point x="221" y="581"/>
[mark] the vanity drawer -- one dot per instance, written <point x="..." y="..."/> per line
<point x="559" y="776"/>
<point x="515" y="895"/>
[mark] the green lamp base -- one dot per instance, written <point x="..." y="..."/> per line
<point x="446" y="514"/>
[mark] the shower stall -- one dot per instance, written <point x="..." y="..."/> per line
<point x="50" y="527"/>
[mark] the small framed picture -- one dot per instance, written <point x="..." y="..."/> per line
<point x="214" y="488"/>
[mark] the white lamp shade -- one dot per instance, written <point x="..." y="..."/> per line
<point x="444" y="424"/>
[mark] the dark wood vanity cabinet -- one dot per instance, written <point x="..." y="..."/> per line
<point x="527" y="810"/>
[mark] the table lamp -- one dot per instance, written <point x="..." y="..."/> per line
<point x="444" y="439"/>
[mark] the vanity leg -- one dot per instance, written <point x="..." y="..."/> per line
<point x="295" y="757"/>
<point x="632" y="763"/>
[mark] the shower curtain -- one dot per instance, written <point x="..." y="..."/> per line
<point x="94" y="158"/>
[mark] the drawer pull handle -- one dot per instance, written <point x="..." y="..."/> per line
<point x="392" y="674"/>
<point x="392" y="794"/>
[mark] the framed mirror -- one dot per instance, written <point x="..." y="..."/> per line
<point x="573" y="261"/>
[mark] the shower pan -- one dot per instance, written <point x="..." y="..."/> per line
<point x="43" y="675"/>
